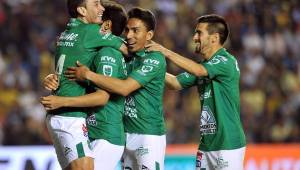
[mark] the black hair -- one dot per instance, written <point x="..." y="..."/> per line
<point x="117" y="15"/>
<point x="144" y="15"/>
<point x="72" y="7"/>
<point x="216" y="24"/>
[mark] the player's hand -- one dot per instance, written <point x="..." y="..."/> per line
<point x="77" y="73"/>
<point x="124" y="50"/>
<point x="153" y="46"/>
<point x="51" y="82"/>
<point x="51" y="102"/>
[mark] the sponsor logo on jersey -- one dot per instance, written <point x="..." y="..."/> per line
<point x="208" y="123"/>
<point x="130" y="107"/>
<point x="67" y="39"/>
<point x="108" y="59"/>
<point x="91" y="120"/>
<point x="151" y="61"/>
<point x="107" y="70"/>
<point x="141" y="151"/>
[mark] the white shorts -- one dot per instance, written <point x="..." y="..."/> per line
<point x="144" y="152"/>
<point x="221" y="160"/>
<point x="70" y="138"/>
<point x="107" y="155"/>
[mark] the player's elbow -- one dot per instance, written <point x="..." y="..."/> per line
<point x="200" y="71"/>
<point x="124" y="92"/>
<point x="101" y="99"/>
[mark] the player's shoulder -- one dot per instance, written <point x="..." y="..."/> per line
<point x="155" y="54"/>
<point x="110" y="51"/>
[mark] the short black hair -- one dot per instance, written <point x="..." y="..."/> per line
<point x="216" y="24"/>
<point x="144" y="15"/>
<point x="117" y="15"/>
<point x="73" y="5"/>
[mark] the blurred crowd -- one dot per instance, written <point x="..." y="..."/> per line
<point x="265" y="38"/>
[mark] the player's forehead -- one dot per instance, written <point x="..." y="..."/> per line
<point x="135" y="23"/>
<point x="201" y="27"/>
<point x="93" y="1"/>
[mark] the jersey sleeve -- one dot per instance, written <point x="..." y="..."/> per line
<point x="149" y="69"/>
<point x="94" y="39"/>
<point x="107" y="63"/>
<point x="186" y="79"/>
<point x="219" y="67"/>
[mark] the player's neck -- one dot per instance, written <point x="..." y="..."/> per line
<point x="83" y="19"/>
<point x="210" y="53"/>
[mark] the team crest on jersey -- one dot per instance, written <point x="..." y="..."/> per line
<point x="107" y="70"/>
<point x="91" y="120"/>
<point x="208" y="124"/>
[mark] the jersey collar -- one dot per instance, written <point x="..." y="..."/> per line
<point x="141" y="53"/>
<point x="219" y="52"/>
<point x="75" y="22"/>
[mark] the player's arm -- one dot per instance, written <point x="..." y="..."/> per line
<point x="185" y="63"/>
<point x="98" y="98"/>
<point x="94" y="38"/>
<point x="172" y="82"/>
<point x="114" y="85"/>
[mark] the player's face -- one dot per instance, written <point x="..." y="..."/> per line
<point x="136" y="34"/>
<point x="202" y="38"/>
<point x="94" y="11"/>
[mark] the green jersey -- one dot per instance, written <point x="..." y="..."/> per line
<point x="80" y="42"/>
<point x="220" y="125"/>
<point x="144" y="107"/>
<point x="107" y="121"/>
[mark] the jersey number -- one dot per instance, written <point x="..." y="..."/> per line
<point x="60" y="64"/>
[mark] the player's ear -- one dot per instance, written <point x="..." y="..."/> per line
<point x="81" y="10"/>
<point x="107" y="25"/>
<point x="150" y="35"/>
<point x="215" y="37"/>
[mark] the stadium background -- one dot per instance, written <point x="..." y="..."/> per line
<point x="265" y="38"/>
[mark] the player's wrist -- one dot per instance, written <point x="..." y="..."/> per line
<point x="87" y="75"/>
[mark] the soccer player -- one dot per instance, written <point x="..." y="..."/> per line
<point x="222" y="143"/>
<point x="81" y="41"/>
<point x="144" y="122"/>
<point x="105" y="125"/>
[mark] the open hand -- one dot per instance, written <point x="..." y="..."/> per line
<point x="153" y="46"/>
<point x="77" y="73"/>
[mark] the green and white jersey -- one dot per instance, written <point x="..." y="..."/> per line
<point x="144" y="107"/>
<point x="80" y="42"/>
<point x="107" y="121"/>
<point x="220" y="124"/>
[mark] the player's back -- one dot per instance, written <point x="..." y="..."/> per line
<point x="71" y="48"/>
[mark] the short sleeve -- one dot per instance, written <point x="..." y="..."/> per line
<point x="94" y="39"/>
<point x="186" y="79"/>
<point x="218" y="66"/>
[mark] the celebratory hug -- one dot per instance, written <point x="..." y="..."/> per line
<point x="107" y="91"/>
